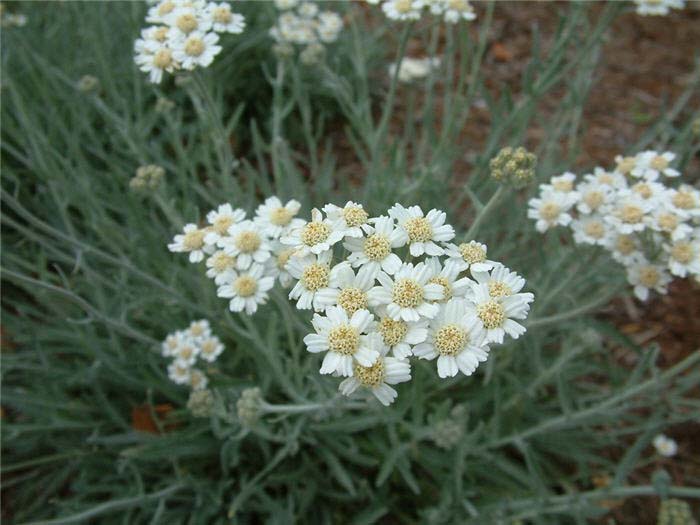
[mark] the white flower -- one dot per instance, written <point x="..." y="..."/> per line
<point x="329" y="26"/>
<point x="683" y="257"/>
<point x="246" y="243"/>
<point x="186" y="354"/>
<point x="172" y="343"/>
<point x="190" y="241"/>
<point x="275" y="219"/>
<point x="308" y="10"/>
<point x="456" y="338"/>
<point x="402" y="9"/>
<point x="210" y="348"/>
<point x="591" y="229"/>
<point x="665" y="446"/>
<point x="447" y="277"/>
<point x="197" y="49"/>
<point x="350" y="220"/>
<point x="657" y="7"/>
<point x="223" y="20"/>
<point x="594" y="197"/>
<point x="412" y="69"/>
<point x="313" y="237"/>
<point x="277" y="264"/>
<point x="314" y="277"/>
<point x="158" y="13"/>
<point x="456" y="10"/>
<point x="377" y="377"/>
<point x="286" y="4"/>
<point x="649" y="191"/>
<point x="496" y="314"/>
<point x="179" y="374"/>
<point x="614" y="179"/>
<point x="341" y="337"/>
<point x="473" y="253"/>
<point x="501" y="282"/>
<point x="624" y="247"/>
<point x="198" y="330"/>
<point x="628" y="212"/>
<point x="651" y="164"/>
<point x="563" y="183"/>
<point x="221" y="219"/>
<point x="349" y="290"/>
<point x="155" y="58"/>
<point x="408" y="296"/>
<point x="374" y="250"/>
<point x="685" y="201"/>
<point x="664" y="219"/>
<point x="187" y="20"/>
<point x="198" y="381"/>
<point x="422" y="232"/>
<point x="247" y="290"/>
<point x="551" y="209"/>
<point x="221" y="267"/>
<point x="645" y="276"/>
<point x="401" y="336"/>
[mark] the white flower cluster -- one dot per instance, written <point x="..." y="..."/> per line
<point x="184" y="35"/>
<point x="657" y="7"/>
<point x="650" y="228"/>
<point x="11" y="19"/>
<point x="186" y="347"/>
<point x="665" y="445"/>
<point x="383" y="288"/>
<point x="451" y="11"/>
<point x="412" y="69"/>
<point x="304" y="24"/>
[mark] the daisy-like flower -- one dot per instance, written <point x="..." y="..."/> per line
<point x="501" y="282"/>
<point x="187" y="354"/>
<point x="198" y="330"/>
<point x="657" y="7"/>
<point x="611" y="179"/>
<point x="350" y="220"/>
<point x="563" y="183"/>
<point x="179" y="374"/>
<point x="286" y="4"/>
<point x="341" y="337"/>
<point x="378" y="376"/>
<point x="473" y="253"/>
<point x="683" y="257"/>
<point x="685" y="201"/>
<point x="412" y="69"/>
<point x="664" y="219"/>
<point x="223" y="20"/>
<point x="628" y="212"/>
<point x="246" y="243"/>
<point x="307" y="10"/>
<point x="158" y="13"/>
<point x="375" y="250"/>
<point x="594" y="197"/>
<point x="665" y="446"/>
<point x="196" y="49"/>
<point x="651" y="164"/>
<point x="247" y="290"/>
<point x="329" y="26"/>
<point x="447" y="276"/>
<point x="188" y="20"/>
<point x="401" y="336"/>
<point x="172" y="343"/>
<point x="409" y="296"/>
<point x="551" y="210"/>
<point x="198" y="381"/>
<point x="422" y="232"/>
<point x="190" y="241"/>
<point x="210" y="348"/>
<point x="457" y="10"/>
<point x="402" y="9"/>
<point x="155" y="58"/>
<point x="314" y="278"/>
<point x="645" y="277"/>
<point x="456" y="338"/>
<point x="497" y="314"/>
<point x="275" y="219"/>
<point x="220" y="220"/>
<point x="591" y="229"/>
<point x="624" y="247"/>
<point x="350" y="290"/>
<point x="313" y="237"/>
<point x="649" y="190"/>
<point x="277" y="264"/>
<point x="221" y="267"/>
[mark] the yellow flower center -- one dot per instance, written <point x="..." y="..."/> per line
<point x="281" y="216"/>
<point x="593" y="199"/>
<point x="549" y="211"/>
<point x="683" y="200"/>
<point x="626" y="165"/>
<point x="315" y="277"/>
<point x="419" y="229"/>
<point x="668" y="221"/>
<point x="392" y="331"/>
<point x="220" y="261"/>
<point x="407" y="293"/>
<point x="403" y="6"/>
<point x="595" y="229"/>
<point x="377" y="247"/>
<point x="194" y="46"/>
<point x="186" y="352"/>
<point x="172" y="343"/>
<point x="193" y="240"/>
<point x="648" y="276"/>
<point x="682" y="252"/>
<point x="625" y="244"/>
<point x="186" y="23"/>
<point x="643" y="189"/>
<point x="445" y="283"/>
<point x="450" y="340"/>
<point x="499" y="289"/>
<point x="197" y="329"/>
<point x="245" y="286"/>
<point x="659" y="163"/>
<point x="222" y="15"/>
<point x="563" y="185"/>
<point x="163" y="58"/>
<point x="459" y="5"/>
<point x="472" y="252"/>
<point x="631" y="214"/>
<point x="605" y="178"/>
<point x="161" y="34"/>
<point x="315" y="233"/>
<point x="352" y="300"/>
<point x="208" y="346"/>
<point x="492" y="314"/>
<point x="248" y="241"/>
<point x="355" y="216"/>
<point x="343" y="339"/>
<point x="370" y="376"/>
<point x="222" y="224"/>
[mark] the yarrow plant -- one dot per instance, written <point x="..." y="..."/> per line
<point x="451" y="11"/>
<point x="185" y="35"/>
<point x="657" y="7"/>
<point x="382" y="288"/>
<point x="412" y="69"/>
<point x="648" y="226"/>
<point x="186" y="348"/>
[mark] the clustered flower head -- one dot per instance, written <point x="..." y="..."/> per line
<point x="451" y="11"/>
<point x="412" y="69"/>
<point x="148" y="176"/>
<point x="382" y="288"/>
<point x="514" y="166"/>
<point x="657" y="7"/>
<point x="185" y="35"/>
<point x="650" y="227"/>
<point x="188" y="347"/>
<point x="674" y="511"/>
<point x="304" y="24"/>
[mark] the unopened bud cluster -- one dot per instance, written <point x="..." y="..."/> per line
<point x="147" y="177"/>
<point x="514" y="166"/>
